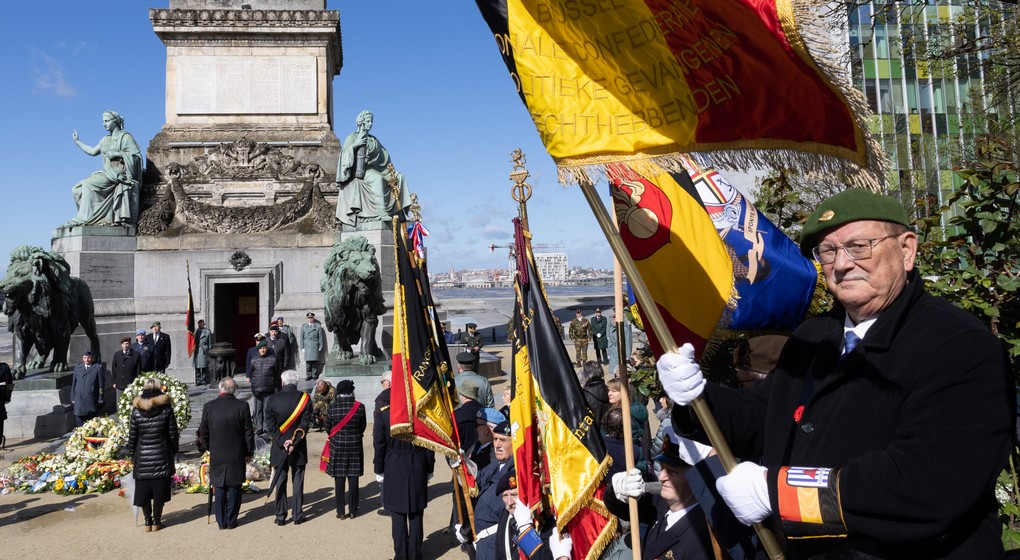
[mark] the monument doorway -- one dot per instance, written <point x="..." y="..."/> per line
<point x="236" y="317"/>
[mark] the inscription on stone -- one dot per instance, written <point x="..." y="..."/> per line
<point x="246" y="85"/>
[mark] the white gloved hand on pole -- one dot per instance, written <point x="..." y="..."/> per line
<point x="560" y="545"/>
<point x="628" y="485"/>
<point x="522" y="514"/>
<point x="746" y="492"/>
<point x="680" y="375"/>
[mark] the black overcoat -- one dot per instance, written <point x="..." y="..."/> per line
<point x="917" y="418"/>
<point x="346" y="449"/>
<point x="279" y="407"/>
<point x="125" y="367"/>
<point x="161" y="351"/>
<point x="405" y="466"/>
<point x="226" y="431"/>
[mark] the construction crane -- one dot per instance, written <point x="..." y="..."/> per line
<point x="512" y="253"/>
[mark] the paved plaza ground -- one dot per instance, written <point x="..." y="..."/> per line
<point x="49" y="525"/>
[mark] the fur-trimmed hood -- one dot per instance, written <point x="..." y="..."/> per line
<point x="151" y="404"/>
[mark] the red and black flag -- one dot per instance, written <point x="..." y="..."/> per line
<point x="559" y="454"/>
<point x="189" y="317"/>
<point x="422" y="396"/>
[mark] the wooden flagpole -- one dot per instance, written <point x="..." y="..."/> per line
<point x="650" y="312"/>
<point x="628" y="434"/>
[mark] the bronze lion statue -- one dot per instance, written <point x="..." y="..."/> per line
<point x="44" y="305"/>
<point x="352" y="288"/>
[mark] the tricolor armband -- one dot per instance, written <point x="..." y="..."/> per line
<point x="809" y="502"/>
<point x="529" y="541"/>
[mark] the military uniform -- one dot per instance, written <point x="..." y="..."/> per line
<point x="320" y="404"/>
<point x="313" y="347"/>
<point x="203" y="343"/>
<point x="599" y="331"/>
<point x="580" y="333"/>
<point x="473" y="341"/>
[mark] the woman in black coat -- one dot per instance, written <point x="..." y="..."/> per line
<point x="153" y="443"/>
<point x="346" y="454"/>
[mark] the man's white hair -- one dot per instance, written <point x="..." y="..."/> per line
<point x="290" y="377"/>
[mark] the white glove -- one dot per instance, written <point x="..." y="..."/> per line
<point x="693" y="452"/>
<point x="522" y="514"/>
<point x="461" y="537"/>
<point x="560" y="545"/>
<point x="379" y="478"/>
<point x="454" y="463"/>
<point x="746" y="491"/>
<point x="680" y="375"/>
<point x="628" y="485"/>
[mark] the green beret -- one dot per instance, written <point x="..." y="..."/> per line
<point x="261" y="344"/>
<point x="848" y="206"/>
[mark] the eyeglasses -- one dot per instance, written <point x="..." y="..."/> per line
<point x="857" y="250"/>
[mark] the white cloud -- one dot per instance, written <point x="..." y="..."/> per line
<point x="48" y="75"/>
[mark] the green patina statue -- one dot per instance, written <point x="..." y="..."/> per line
<point x="370" y="189"/>
<point x="110" y="196"/>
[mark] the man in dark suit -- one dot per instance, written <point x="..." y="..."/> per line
<point x="679" y="528"/>
<point x="403" y="469"/>
<point x="160" y="348"/>
<point x="226" y="431"/>
<point x="87" y="385"/>
<point x="143" y="346"/>
<point x="125" y="365"/>
<point x="279" y="345"/>
<point x="286" y="412"/>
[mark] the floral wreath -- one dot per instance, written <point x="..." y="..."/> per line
<point x="178" y="392"/>
<point x="97" y="440"/>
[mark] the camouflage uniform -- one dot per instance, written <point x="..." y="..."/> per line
<point x="580" y="333"/>
<point x="320" y="404"/>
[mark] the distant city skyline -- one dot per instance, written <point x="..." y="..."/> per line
<point x="444" y="107"/>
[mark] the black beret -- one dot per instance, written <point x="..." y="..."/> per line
<point x="466" y="358"/>
<point x="503" y="428"/>
<point x="508" y="481"/>
<point x="345" y="387"/>
<point x="848" y="206"/>
<point x="670" y="451"/>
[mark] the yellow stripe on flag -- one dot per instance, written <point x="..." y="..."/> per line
<point x="810" y="511"/>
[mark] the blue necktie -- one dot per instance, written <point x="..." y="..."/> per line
<point x="850" y="342"/>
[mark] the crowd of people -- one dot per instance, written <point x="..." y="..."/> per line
<point x="873" y="431"/>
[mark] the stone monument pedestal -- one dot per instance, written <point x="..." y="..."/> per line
<point x="41" y="405"/>
<point x="366" y="378"/>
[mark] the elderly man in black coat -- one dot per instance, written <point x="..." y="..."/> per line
<point x="287" y="412"/>
<point x="226" y="431"/>
<point x="162" y="350"/>
<point x="403" y="469"/>
<point x="125" y="366"/>
<point x="884" y="424"/>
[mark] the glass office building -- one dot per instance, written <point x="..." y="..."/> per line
<point x="921" y="109"/>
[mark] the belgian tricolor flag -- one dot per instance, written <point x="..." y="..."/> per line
<point x="558" y="451"/>
<point x="422" y="395"/>
<point x="189" y="318"/>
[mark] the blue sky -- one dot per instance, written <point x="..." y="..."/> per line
<point x="430" y="72"/>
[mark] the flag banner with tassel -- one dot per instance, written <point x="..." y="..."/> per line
<point x="421" y="401"/>
<point x="636" y="80"/>
<point x="708" y="257"/>
<point x="558" y="452"/>
<point x="774" y="282"/>
<point x="189" y="318"/>
<point x="677" y="250"/>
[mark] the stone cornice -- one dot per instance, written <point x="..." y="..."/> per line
<point x="305" y="19"/>
<point x="287" y="27"/>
